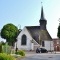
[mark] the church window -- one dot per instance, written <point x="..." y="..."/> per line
<point x="43" y="44"/>
<point x="23" y="40"/>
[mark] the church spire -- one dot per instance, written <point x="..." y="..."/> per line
<point x="42" y="14"/>
<point x="42" y="20"/>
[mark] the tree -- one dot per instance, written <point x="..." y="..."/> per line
<point x="58" y="34"/>
<point x="10" y="33"/>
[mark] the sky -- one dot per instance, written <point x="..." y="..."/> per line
<point x="27" y="13"/>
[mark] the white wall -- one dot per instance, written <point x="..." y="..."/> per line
<point x="49" y="45"/>
<point x="28" y="46"/>
<point x="29" y="38"/>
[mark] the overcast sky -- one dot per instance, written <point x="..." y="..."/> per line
<point x="27" y="13"/>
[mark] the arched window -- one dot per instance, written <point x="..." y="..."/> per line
<point x="24" y="40"/>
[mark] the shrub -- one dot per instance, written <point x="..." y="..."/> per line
<point x="20" y="52"/>
<point x="4" y="56"/>
<point x="6" y="49"/>
<point x="0" y="48"/>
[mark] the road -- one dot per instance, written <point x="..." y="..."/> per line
<point x="42" y="57"/>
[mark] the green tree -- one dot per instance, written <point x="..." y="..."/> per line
<point x="10" y="33"/>
<point x="58" y="34"/>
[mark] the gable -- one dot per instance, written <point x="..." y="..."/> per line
<point x="24" y="31"/>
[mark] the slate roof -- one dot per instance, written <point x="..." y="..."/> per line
<point x="37" y="33"/>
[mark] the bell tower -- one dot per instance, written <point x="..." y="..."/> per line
<point x="42" y="20"/>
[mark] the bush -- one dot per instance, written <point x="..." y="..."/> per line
<point x="6" y="49"/>
<point x="0" y="48"/>
<point x="20" y="52"/>
<point x="4" y="56"/>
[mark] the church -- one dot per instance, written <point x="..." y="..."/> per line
<point x="32" y="37"/>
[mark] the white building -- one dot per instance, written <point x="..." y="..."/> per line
<point x="32" y="37"/>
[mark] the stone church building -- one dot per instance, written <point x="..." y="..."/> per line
<point x="32" y="37"/>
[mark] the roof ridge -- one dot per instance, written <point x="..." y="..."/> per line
<point x="32" y="26"/>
